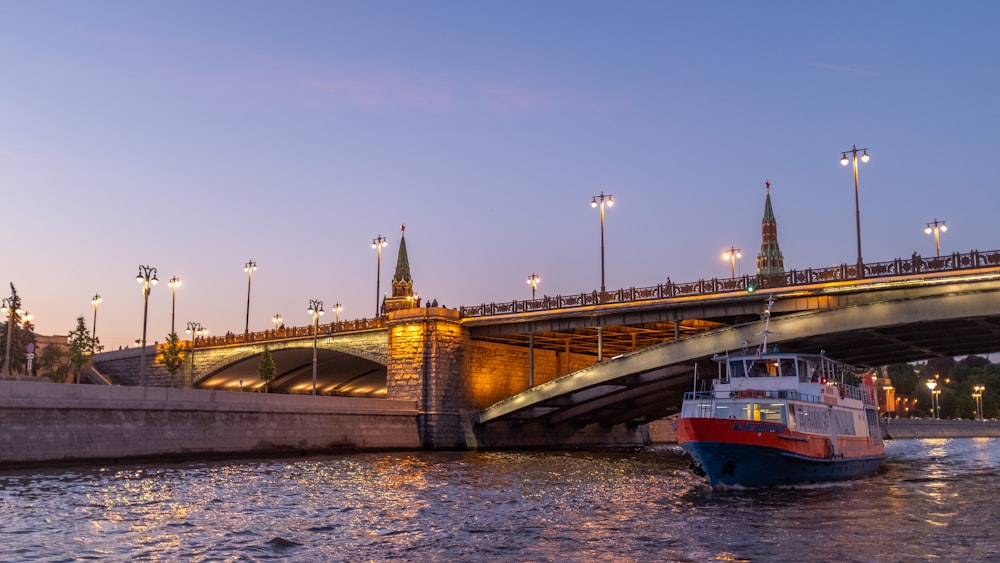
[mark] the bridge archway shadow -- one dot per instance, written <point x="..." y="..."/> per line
<point x="337" y="373"/>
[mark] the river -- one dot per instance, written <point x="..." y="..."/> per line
<point x="934" y="500"/>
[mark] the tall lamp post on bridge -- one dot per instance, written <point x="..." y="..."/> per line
<point x="337" y="308"/>
<point x="857" y="208"/>
<point x="533" y="280"/>
<point x="174" y="283"/>
<point x="195" y="330"/>
<point x="977" y="394"/>
<point x="249" y="267"/>
<point x="316" y="310"/>
<point x="147" y="277"/>
<point x="13" y="318"/>
<point x="731" y="255"/>
<point x="95" y="300"/>
<point x="276" y="319"/>
<point x="377" y="243"/>
<point x="600" y="201"/>
<point x="936" y="227"/>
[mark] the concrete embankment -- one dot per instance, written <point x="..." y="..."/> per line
<point x="902" y="428"/>
<point x="57" y="423"/>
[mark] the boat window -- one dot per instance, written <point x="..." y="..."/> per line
<point x="803" y="371"/>
<point x="766" y="412"/>
<point x="788" y="368"/>
<point x="737" y="369"/>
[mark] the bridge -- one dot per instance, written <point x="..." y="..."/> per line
<point x="603" y="365"/>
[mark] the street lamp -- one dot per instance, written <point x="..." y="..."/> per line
<point x="276" y="319"/>
<point x="195" y="330"/>
<point x="533" y="280"/>
<point x="95" y="300"/>
<point x="934" y="400"/>
<point x="13" y="318"/>
<point x="599" y="201"/>
<point x="977" y="394"/>
<point x="249" y="267"/>
<point x="377" y="243"/>
<point x="857" y="209"/>
<point x="174" y="283"/>
<point x="731" y="255"/>
<point x="316" y="310"/>
<point x="937" y="227"/>
<point x="337" y="308"/>
<point x="147" y="277"/>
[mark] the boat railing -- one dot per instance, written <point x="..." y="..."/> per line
<point x="755" y="394"/>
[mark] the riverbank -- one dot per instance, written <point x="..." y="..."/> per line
<point x="904" y="428"/>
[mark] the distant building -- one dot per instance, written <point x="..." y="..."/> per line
<point x="402" y="283"/>
<point x="769" y="259"/>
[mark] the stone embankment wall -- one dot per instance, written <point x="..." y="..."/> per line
<point x="52" y="423"/>
<point x="901" y="428"/>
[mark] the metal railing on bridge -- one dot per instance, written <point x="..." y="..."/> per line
<point x="898" y="267"/>
<point x="284" y="333"/>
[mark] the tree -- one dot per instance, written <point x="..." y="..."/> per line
<point x="266" y="368"/>
<point x="81" y="347"/>
<point x="19" y="339"/>
<point x="53" y="363"/>
<point x="173" y="354"/>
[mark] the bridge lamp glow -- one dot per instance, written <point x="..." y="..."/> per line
<point x="249" y="268"/>
<point x="937" y="227"/>
<point x="276" y="319"/>
<point x="731" y="256"/>
<point x="533" y="281"/>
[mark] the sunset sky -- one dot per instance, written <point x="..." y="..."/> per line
<point x="194" y="136"/>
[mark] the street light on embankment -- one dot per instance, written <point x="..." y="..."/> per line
<point x="316" y="310"/>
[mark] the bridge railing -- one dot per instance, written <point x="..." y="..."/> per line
<point x="898" y="267"/>
<point x="283" y="333"/>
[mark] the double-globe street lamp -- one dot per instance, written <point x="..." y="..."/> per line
<point x="533" y="280"/>
<point x="316" y="310"/>
<point x="377" y="243"/>
<point x="147" y="277"/>
<point x="977" y="394"/>
<point x="95" y="300"/>
<point x="731" y="255"/>
<point x="936" y="227"/>
<point x="857" y="208"/>
<point x="249" y="267"/>
<point x="276" y="319"/>
<point x="600" y="201"/>
<point x="195" y="330"/>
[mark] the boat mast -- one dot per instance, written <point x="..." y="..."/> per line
<point x="767" y="322"/>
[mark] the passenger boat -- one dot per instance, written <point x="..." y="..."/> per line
<point x="774" y="418"/>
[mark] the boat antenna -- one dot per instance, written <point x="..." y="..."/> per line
<point x="767" y="323"/>
<point x="695" y="378"/>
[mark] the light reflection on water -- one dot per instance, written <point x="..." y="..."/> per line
<point x="935" y="499"/>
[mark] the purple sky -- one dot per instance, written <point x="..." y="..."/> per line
<point x="195" y="136"/>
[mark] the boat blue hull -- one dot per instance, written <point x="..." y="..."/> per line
<point x="728" y="465"/>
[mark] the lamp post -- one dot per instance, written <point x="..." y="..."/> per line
<point x="599" y="201"/>
<point x="533" y="280"/>
<point x="174" y="283"/>
<point x="377" y="243"/>
<point x="316" y="310"/>
<point x="977" y="394"/>
<point x="731" y="255"/>
<point x="857" y="208"/>
<point x="147" y="277"/>
<point x="249" y="267"/>
<point x="337" y="308"/>
<point x="277" y="320"/>
<point x="934" y="409"/>
<point x="937" y="227"/>
<point x="195" y="330"/>
<point x="95" y="300"/>
<point x="13" y="318"/>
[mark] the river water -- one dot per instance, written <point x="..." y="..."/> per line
<point x="935" y="500"/>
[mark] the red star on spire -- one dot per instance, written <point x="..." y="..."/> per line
<point x="402" y="227"/>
